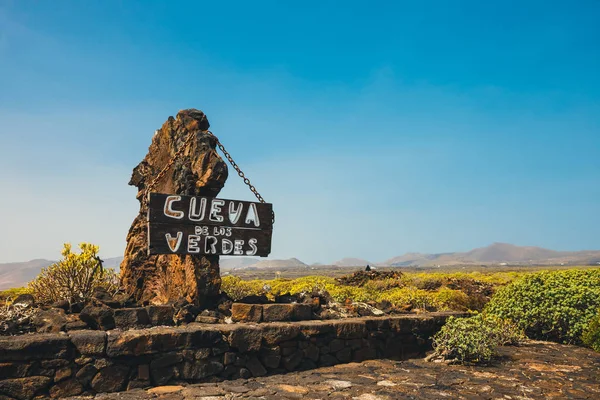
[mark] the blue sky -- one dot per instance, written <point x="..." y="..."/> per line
<point x="375" y="128"/>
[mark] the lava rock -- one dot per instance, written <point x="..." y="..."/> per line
<point x="241" y="312"/>
<point x="24" y="388"/>
<point x="98" y="317"/>
<point x="50" y="321"/>
<point x="25" y="300"/>
<point x="201" y="172"/>
<point x="160" y="315"/>
<point x="129" y="318"/>
<point x="110" y="379"/>
<point x="89" y="343"/>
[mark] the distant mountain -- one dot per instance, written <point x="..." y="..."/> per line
<point x="237" y="262"/>
<point x="351" y="262"/>
<point x="18" y="274"/>
<point x="279" y="264"/>
<point x="410" y="259"/>
<point x="113" y="262"/>
<point x="498" y="253"/>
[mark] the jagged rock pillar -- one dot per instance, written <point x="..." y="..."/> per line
<point x="199" y="171"/>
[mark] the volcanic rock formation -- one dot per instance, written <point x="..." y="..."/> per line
<point x="199" y="171"/>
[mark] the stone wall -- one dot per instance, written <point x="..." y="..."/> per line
<point x="67" y="364"/>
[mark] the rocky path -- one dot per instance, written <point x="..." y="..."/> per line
<point x="537" y="370"/>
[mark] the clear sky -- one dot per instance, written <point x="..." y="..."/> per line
<point x="375" y="127"/>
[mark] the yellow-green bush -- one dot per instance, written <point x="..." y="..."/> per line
<point x="409" y="296"/>
<point x="73" y="278"/>
<point x="474" y="339"/>
<point x="425" y="291"/>
<point x="450" y="299"/>
<point x="237" y="289"/>
<point x="550" y="305"/>
<point x="591" y="333"/>
<point x="11" y="294"/>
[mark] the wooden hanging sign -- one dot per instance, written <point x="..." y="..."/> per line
<point x="179" y="224"/>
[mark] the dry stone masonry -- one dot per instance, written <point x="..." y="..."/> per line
<point x="88" y="362"/>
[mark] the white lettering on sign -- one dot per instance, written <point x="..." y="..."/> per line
<point x="197" y="211"/>
<point x="174" y="242"/>
<point x="193" y="244"/>
<point x="252" y="215"/>
<point x="234" y="215"/>
<point x="197" y="215"/>
<point x="227" y="246"/>
<point x="215" y="209"/>
<point x="169" y="212"/>
<point x="213" y="245"/>
<point x="195" y="225"/>
<point x="252" y="243"/>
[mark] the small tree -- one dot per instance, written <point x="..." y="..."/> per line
<point x="74" y="278"/>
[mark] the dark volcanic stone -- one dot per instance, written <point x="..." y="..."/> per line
<point x="271" y="357"/>
<point x="129" y="318"/>
<point x="24" y="388"/>
<point x="312" y="352"/>
<point x="344" y="355"/>
<point x="62" y="374"/>
<point x="254" y="299"/>
<point x="245" y="339"/>
<point x="246" y="312"/>
<point x="244" y="374"/>
<point x="161" y="315"/>
<point x="24" y="300"/>
<point x="186" y="314"/>
<point x="151" y="341"/>
<point x="201" y="369"/>
<point x="62" y="304"/>
<point x="85" y="374"/>
<point x="34" y="347"/>
<point x="274" y="333"/>
<point x="326" y="360"/>
<point x="278" y="312"/>
<point x="292" y="361"/>
<point x="98" y="317"/>
<point x="67" y="388"/>
<point x="350" y="329"/>
<point x="207" y="320"/>
<point x="76" y="325"/>
<point x="50" y="321"/>
<point x="89" y="342"/>
<point x="256" y="367"/>
<point x="302" y="312"/>
<point x="110" y="379"/>
<point x="13" y="370"/>
<point x="199" y="172"/>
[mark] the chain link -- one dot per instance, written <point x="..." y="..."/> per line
<point x="179" y="152"/>
<point x="237" y="169"/>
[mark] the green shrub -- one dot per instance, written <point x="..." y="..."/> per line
<point x="11" y="294"/>
<point x="591" y="334"/>
<point x="451" y="299"/>
<point x="73" y="278"/>
<point x="553" y="306"/>
<point x="237" y="289"/>
<point x="475" y="339"/>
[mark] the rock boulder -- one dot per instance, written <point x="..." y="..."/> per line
<point x="200" y="171"/>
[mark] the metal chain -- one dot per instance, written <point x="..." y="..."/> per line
<point x="237" y="169"/>
<point x="179" y="152"/>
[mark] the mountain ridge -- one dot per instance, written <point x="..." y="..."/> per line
<point x="17" y="274"/>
